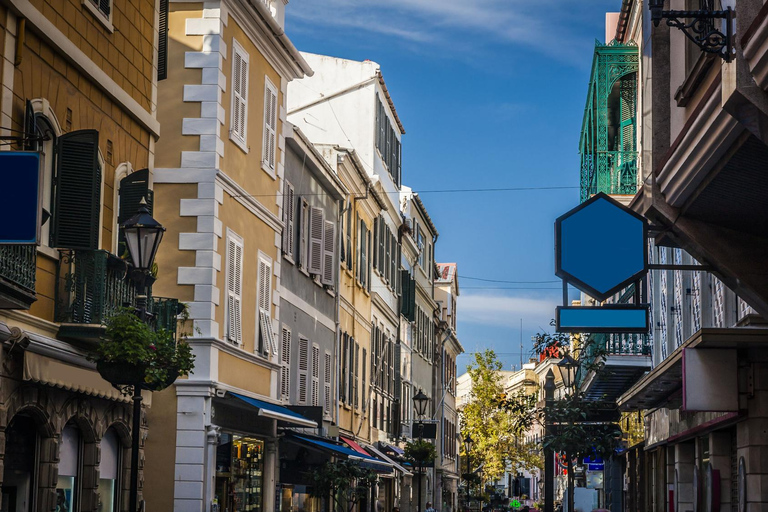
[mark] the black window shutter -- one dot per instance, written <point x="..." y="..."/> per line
<point x="77" y="191"/>
<point x="162" y="45"/>
<point x="133" y="188"/>
<point x="30" y="128"/>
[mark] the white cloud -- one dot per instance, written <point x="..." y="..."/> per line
<point x="499" y="310"/>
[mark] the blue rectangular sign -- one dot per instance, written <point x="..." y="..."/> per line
<point x="609" y="318"/>
<point x="20" y="182"/>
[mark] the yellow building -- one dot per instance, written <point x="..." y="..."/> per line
<point x="78" y="83"/>
<point x="218" y="187"/>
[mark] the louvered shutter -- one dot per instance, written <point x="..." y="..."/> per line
<point x="77" y="191"/>
<point x="239" y="120"/>
<point x="303" y="370"/>
<point x="316" y="227"/>
<point x="363" y="366"/>
<point x="270" y="125"/>
<point x="288" y="218"/>
<point x="30" y="128"/>
<point x="328" y="246"/>
<point x="285" y="364"/>
<point x="352" y="374"/>
<point x="162" y="43"/>
<point x="234" y="290"/>
<point x="344" y="369"/>
<point x="133" y="188"/>
<point x="376" y="238"/>
<point x="315" y="375"/>
<point x="327" y="385"/>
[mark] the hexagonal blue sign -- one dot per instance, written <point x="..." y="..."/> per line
<point x="601" y="246"/>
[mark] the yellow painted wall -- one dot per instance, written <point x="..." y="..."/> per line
<point x="244" y="374"/>
<point x="244" y="168"/>
<point x="257" y="236"/>
<point x="171" y="109"/>
<point x="169" y="257"/>
<point x="125" y="55"/>
<point x="160" y="451"/>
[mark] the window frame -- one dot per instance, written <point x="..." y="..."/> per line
<point x="103" y="18"/>
<point x="270" y="167"/>
<point x="240" y="140"/>
<point x="237" y="240"/>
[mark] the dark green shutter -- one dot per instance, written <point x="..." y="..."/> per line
<point x="162" y="44"/>
<point x="133" y="188"/>
<point x="408" y="301"/>
<point x="77" y="191"/>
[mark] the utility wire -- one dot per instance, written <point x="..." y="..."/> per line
<point x="435" y="191"/>
<point x="504" y="281"/>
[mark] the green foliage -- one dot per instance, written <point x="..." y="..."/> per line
<point x="495" y="422"/>
<point x="130" y="340"/>
<point x="420" y="452"/>
<point x="346" y="481"/>
<point x="574" y="433"/>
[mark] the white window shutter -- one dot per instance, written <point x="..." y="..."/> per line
<point x="328" y="246"/>
<point x="285" y="365"/>
<point x="315" y="375"/>
<point x="270" y="125"/>
<point x="327" y="381"/>
<point x="288" y="216"/>
<point x="316" y="226"/>
<point x="239" y="114"/>
<point x="303" y="370"/>
<point x="234" y="290"/>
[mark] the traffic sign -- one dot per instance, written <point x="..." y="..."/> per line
<point x="601" y="246"/>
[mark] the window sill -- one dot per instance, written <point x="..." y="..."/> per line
<point x="270" y="171"/>
<point x="694" y="79"/>
<point x="49" y="252"/>
<point x="242" y="144"/>
<point x="104" y="20"/>
<point x="288" y="259"/>
<point x="303" y="271"/>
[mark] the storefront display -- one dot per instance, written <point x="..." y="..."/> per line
<point x="239" y="474"/>
<point x="296" y="498"/>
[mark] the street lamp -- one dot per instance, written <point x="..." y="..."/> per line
<point x="549" y="455"/>
<point x="568" y="367"/>
<point x="420" y="402"/>
<point x="468" y="444"/>
<point x="142" y="235"/>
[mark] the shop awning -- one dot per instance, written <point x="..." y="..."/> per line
<point x="274" y="411"/>
<point x="394" y="449"/>
<point x="382" y="456"/>
<point x="352" y="444"/>
<point x="341" y="451"/>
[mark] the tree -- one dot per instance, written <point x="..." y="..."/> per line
<point x="347" y="482"/>
<point x="496" y="422"/>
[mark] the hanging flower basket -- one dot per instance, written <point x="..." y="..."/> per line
<point x="133" y="354"/>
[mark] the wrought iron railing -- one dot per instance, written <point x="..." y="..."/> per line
<point x="94" y="285"/>
<point x="612" y="172"/>
<point x="18" y="264"/>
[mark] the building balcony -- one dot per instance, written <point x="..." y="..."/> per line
<point x="612" y="363"/>
<point x="611" y="172"/>
<point x="18" y="264"/>
<point x="91" y="286"/>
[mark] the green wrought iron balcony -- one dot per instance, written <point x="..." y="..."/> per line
<point x="94" y="285"/>
<point x="608" y="142"/>
<point x="18" y="264"/>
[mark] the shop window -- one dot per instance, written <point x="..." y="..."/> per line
<point x="109" y="489"/>
<point x="68" y="483"/>
<point x="19" y="463"/>
<point x="239" y="473"/>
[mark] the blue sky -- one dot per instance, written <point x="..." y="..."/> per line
<point x="491" y="94"/>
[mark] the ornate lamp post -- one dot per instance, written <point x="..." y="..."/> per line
<point x="468" y="444"/>
<point x="143" y="235"/>
<point x="549" y="456"/>
<point x="568" y="367"/>
<point x="420" y="402"/>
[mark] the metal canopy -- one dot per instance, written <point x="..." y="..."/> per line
<point x="601" y="246"/>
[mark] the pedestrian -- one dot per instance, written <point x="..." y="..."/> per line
<point x="429" y="507"/>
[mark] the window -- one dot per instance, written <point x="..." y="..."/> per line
<point x="362" y="380"/>
<point x="102" y="11"/>
<point x="133" y="189"/>
<point x="327" y="384"/>
<point x="316" y="226"/>
<point x="162" y="43"/>
<point x="421" y="246"/>
<point x="329" y="263"/>
<point x="304" y="234"/>
<point x="285" y="364"/>
<point x="47" y="161"/>
<point x="269" y="149"/>
<point x="239" y="113"/>
<point x="70" y="461"/>
<point x="266" y="340"/>
<point x="303" y="370"/>
<point x="387" y="142"/>
<point x="234" y="277"/>
<point x="347" y="230"/>
<point x="289" y="233"/>
<point x="109" y="471"/>
<point x="315" y="374"/>
<point x="363" y="271"/>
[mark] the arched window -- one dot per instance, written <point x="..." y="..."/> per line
<point x="109" y="471"/>
<point x="20" y="463"/>
<point x="70" y="464"/>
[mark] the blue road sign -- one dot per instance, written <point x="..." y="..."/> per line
<point x="600" y="246"/>
<point x="20" y="176"/>
<point x="608" y="318"/>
